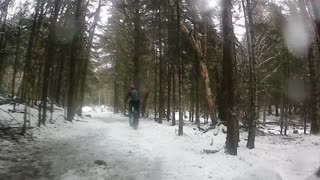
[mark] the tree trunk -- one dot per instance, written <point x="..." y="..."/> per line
<point x="51" y="51"/>
<point x="155" y="85"/>
<point x="316" y="11"/>
<point x="171" y="25"/>
<point x="137" y="39"/>
<point x="173" y="79"/>
<point x="219" y="96"/>
<point x="253" y="83"/>
<point x="24" y="126"/>
<point x="169" y="94"/>
<point x="277" y="109"/>
<point x="281" y="114"/>
<point x="155" y="67"/>
<point x="287" y="108"/>
<point x="75" y="51"/>
<point x="286" y="119"/>
<point x="3" y="23"/>
<point x="197" y="96"/>
<point x="144" y="103"/>
<point x="60" y="75"/>
<point x="197" y="82"/>
<point x="26" y="75"/>
<point x="314" y="95"/>
<point x="290" y="110"/>
<point x="315" y="129"/>
<point x="24" y="88"/>
<point x="265" y="112"/>
<point x="269" y="109"/>
<point x="84" y="68"/>
<point x="116" y="88"/>
<point x="39" y="85"/>
<point x="161" y="69"/>
<point x="204" y="71"/>
<point x="305" y="116"/>
<point x="16" y="59"/>
<point x="37" y="59"/>
<point x="192" y="93"/>
<point x="305" y="102"/>
<point x="52" y="87"/>
<point x="179" y="63"/>
<point x="228" y="83"/>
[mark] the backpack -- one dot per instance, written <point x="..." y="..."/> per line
<point x="134" y="95"/>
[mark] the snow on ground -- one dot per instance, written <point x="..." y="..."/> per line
<point x="15" y="119"/>
<point x="293" y="157"/>
<point x="105" y="147"/>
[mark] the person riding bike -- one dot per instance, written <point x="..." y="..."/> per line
<point x="134" y="101"/>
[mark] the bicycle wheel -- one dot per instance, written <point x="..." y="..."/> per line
<point x="136" y="119"/>
<point x="130" y="120"/>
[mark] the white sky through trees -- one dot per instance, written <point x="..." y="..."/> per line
<point x="239" y="30"/>
<point x="213" y="4"/>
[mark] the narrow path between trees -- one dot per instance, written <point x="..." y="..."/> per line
<point x="105" y="147"/>
<point x="87" y="151"/>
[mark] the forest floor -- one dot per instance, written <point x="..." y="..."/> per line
<point x="105" y="147"/>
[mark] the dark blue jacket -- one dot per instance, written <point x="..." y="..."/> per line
<point x="133" y="95"/>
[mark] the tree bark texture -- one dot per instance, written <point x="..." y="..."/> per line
<point x="227" y="82"/>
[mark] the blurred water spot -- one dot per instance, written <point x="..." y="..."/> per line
<point x="297" y="37"/>
<point x="296" y="90"/>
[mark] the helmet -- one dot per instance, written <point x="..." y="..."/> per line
<point x="132" y="87"/>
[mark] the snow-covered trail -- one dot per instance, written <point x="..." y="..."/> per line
<point x="155" y="152"/>
<point x="72" y="152"/>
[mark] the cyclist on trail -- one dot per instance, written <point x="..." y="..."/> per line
<point x="134" y="100"/>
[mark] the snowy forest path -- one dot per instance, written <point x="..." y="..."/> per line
<point x="105" y="147"/>
<point x="89" y="151"/>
